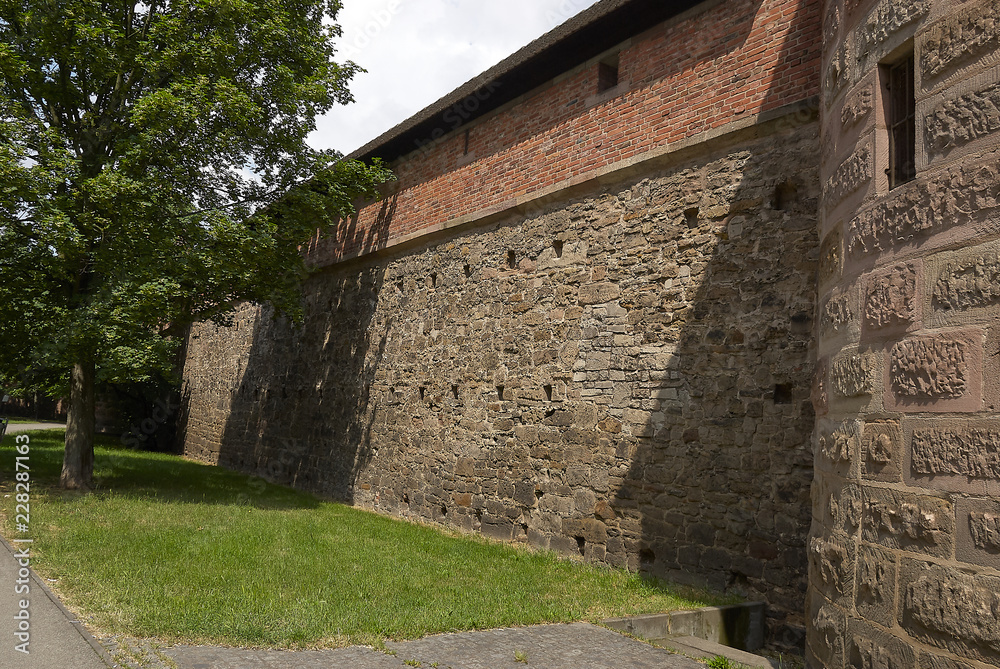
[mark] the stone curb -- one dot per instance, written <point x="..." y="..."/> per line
<point x="739" y="626"/>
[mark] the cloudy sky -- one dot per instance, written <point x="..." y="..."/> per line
<point x="416" y="51"/>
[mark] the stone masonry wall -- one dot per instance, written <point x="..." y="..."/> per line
<point x="905" y="549"/>
<point x="622" y="375"/>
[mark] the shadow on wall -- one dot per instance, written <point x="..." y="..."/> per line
<point x="301" y="414"/>
<point x="722" y="461"/>
<point x="348" y="237"/>
<point x="717" y="408"/>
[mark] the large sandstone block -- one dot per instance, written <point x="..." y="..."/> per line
<point x="958" y="40"/>
<point x="872" y="648"/>
<point x="954" y="455"/>
<point x="978" y="531"/>
<point x="877" y="575"/>
<point x="915" y="523"/>
<point x="936" y="374"/>
<point x="950" y="608"/>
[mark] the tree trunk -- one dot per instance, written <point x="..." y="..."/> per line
<point x="78" y="461"/>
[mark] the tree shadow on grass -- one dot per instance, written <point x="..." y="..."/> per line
<point x="168" y="478"/>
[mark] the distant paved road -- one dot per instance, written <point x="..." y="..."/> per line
<point x="21" y="427"/>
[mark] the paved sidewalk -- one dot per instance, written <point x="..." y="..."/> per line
<point x="573" y="646"/>
<point x="24" y="427"/>
<point x="56" y="640"/>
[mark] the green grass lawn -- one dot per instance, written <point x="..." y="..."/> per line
<point x="185" y="552"/>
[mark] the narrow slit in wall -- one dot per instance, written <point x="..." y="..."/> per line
<point x="691" y="217"/>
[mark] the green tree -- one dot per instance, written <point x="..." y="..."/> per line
<point x="154" y="172"/>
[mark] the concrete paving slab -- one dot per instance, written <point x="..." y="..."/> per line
<point x="572" y="646"/>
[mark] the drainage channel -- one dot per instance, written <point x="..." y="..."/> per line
<point x="732" y="631"/>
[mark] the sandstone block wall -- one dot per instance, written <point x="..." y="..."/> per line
<point x="904" y="553"/>
<point x="622" y="375"/>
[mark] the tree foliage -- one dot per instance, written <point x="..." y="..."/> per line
<point x="154" y="171"/>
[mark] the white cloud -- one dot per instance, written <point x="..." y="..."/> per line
<point x="416" y="51"/>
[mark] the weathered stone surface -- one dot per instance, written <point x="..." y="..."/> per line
<point x="950" y="608"/>
<point x="914" y="523"/>
<point x="874" y="649"/>
<point x="831" y="563"/>
<point x="852" y="375"/>
<point x="831" y="256"/>
<point x="839" y="507"/>
<point x="857" y="106"/>
<point x="819" y="393"/>
<point x="839" y="443"/>
<point x="876" y="584"/>
<point x="985" y="530"/>
<point x="599" y="292"/>
<point x="881" y="447"/>
<point x="827" y="635"/>
<point x="931" y="661"/>
<point x="874" y="36"/>
<point x="831" y="21"/>
<point x="838" y="72"/>
<point x="929" y="368"/>
<point x="979" y="532"/>
<point x="837" y="314"/>
<point x="969" y="283"/>
<point x="958" y="121"/>
<point x="959" y="39"/>
<point x="974" y="453"/>
<point x="960" y="194"/>
<point x="851" y="175"/>
<point x="891" y="298"/>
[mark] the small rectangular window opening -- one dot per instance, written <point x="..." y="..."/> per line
<point x="901" y="123"/>
<point x="607" y="74"/>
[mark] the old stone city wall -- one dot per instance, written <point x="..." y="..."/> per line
<point x="905" y="551"/>
<point x="623" y="377"/>
<point x="612" y="359"/>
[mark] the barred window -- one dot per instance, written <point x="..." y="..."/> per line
<point x="901" y="122"/>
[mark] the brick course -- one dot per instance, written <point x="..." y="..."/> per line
<point x="683" y="78"/>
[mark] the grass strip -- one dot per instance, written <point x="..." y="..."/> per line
<point x="180" y="551"/>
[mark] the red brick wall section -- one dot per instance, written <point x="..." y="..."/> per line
<point x="683" y="78"/>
